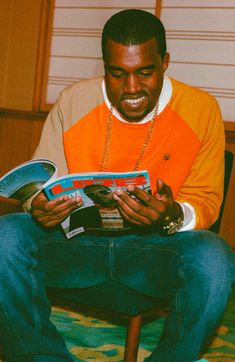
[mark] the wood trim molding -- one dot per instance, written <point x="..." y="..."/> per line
<point x="12" y="113"/>
<point x="229" y="126"/>
<point x="44" y="44"/>
<point x="41" y="53"/>
<point x="230" y="136"/>
<point x="230" y="132"/>
<point x="158" y="8"/>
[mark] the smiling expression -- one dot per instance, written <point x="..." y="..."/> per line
<point x="134" y="77"/>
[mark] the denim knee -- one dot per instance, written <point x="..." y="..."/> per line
<point x="18" y="234"/>
<point x="19" y="254"/>
<point x="26" y="332"/>
<point x="209" y="257"/>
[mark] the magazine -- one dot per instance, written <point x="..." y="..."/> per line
<point x="99" y="210"/>
<point x="27" y="179"/>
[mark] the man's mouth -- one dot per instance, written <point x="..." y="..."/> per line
<point x="134" y="102"/>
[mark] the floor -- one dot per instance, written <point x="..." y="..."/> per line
<point x="90" y="339"/>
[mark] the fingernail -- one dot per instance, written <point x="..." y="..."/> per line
<point x="118" y="191"/>
<point x="130" y="187"/>
<point x="115" y="197"/>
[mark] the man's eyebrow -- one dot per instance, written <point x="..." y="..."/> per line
<point x="114" y="67"/>
<point x="145" y="67"/>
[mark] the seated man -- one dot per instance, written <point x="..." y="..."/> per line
<point x="134" y="118"/>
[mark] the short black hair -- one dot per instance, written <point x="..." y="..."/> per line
<point x="133" y="27"/>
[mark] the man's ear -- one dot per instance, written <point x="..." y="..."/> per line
<point x="165" y="61"/>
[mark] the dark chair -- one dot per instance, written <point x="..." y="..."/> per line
<point x="107" y="298"/>
<point x="227" y="174"/>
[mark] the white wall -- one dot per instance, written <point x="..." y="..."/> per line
<point x="201" y="40"/>
<point x="76" y="39"/>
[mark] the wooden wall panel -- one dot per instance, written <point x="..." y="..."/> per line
<point x="19" y="136"/>
<point x="5" y="9"/>
<point x="19" y="29"/>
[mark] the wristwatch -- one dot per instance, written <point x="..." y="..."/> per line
<point x="170" y="225"/>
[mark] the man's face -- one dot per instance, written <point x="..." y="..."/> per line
<point x="101" y="196"/>
<point x="134" y="77"/>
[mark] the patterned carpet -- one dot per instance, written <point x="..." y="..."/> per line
<point x="94" y="340"/>
<point x="90" y="339"/>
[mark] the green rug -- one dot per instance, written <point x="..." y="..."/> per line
<point x="90" y="339"/>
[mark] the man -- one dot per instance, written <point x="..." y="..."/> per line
<point x="103" y="212"/>
<point x="101" y="195"/>
<point x="136" y="118"/>
<point x="109" y="216"/>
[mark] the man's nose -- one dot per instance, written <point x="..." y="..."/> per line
<point x="132" y="84"/>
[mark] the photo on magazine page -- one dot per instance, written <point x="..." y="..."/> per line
<point x="99" y="211"/>
<point x="27" y="179"/>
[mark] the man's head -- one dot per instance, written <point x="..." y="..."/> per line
<point x="135" y="59"/>
<point x="134" y="27"/>
<point x="100" y="195"/>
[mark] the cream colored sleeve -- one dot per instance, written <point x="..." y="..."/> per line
<point x="51" y="142"/>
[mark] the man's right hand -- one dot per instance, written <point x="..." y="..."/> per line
<point x="51" y="213"/>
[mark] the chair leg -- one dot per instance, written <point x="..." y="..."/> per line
<point x="132" y="339"/>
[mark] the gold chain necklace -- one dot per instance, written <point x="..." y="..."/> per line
<point x="105" y="156"/>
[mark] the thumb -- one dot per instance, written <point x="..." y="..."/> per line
<point x="163" y="190"/>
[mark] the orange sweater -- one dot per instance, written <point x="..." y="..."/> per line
<point x="186" y="148"/>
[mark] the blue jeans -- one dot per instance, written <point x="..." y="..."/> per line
<point x="197" y="268"/>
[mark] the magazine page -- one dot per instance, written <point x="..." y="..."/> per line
<point x="27" y="179"/>
<point x="99" y="211"/>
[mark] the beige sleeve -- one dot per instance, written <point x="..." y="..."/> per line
<point x="72" y="104"/>
<point x="51" y="142"/>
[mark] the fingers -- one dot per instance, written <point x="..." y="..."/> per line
<point x="163" y="191"/>
<point x="132" y="220"/>
<point x="159" y="201"/>
<point x="164" y="194"/>
<point x="133" y="209"/>
<point x="142" y="208"/>
<point x="51" y="213"/>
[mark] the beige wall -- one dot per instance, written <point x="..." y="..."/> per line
<point x="19" y="34"/>
<point x="201" y="41"/>
<point x="75" y="49"/>
<point x="206" y="28"/>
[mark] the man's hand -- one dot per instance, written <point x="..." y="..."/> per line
<point x="145" y="209"/>
<point x="51" y="213"/>
<point x="8" y="205"/>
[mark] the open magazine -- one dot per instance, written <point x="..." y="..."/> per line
<point x="27" y="179"/>
<point x="98" y="212"/>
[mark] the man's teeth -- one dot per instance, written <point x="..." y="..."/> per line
<point x="134" y="101"/>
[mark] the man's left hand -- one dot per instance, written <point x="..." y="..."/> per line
<point x="142" y="208"/>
